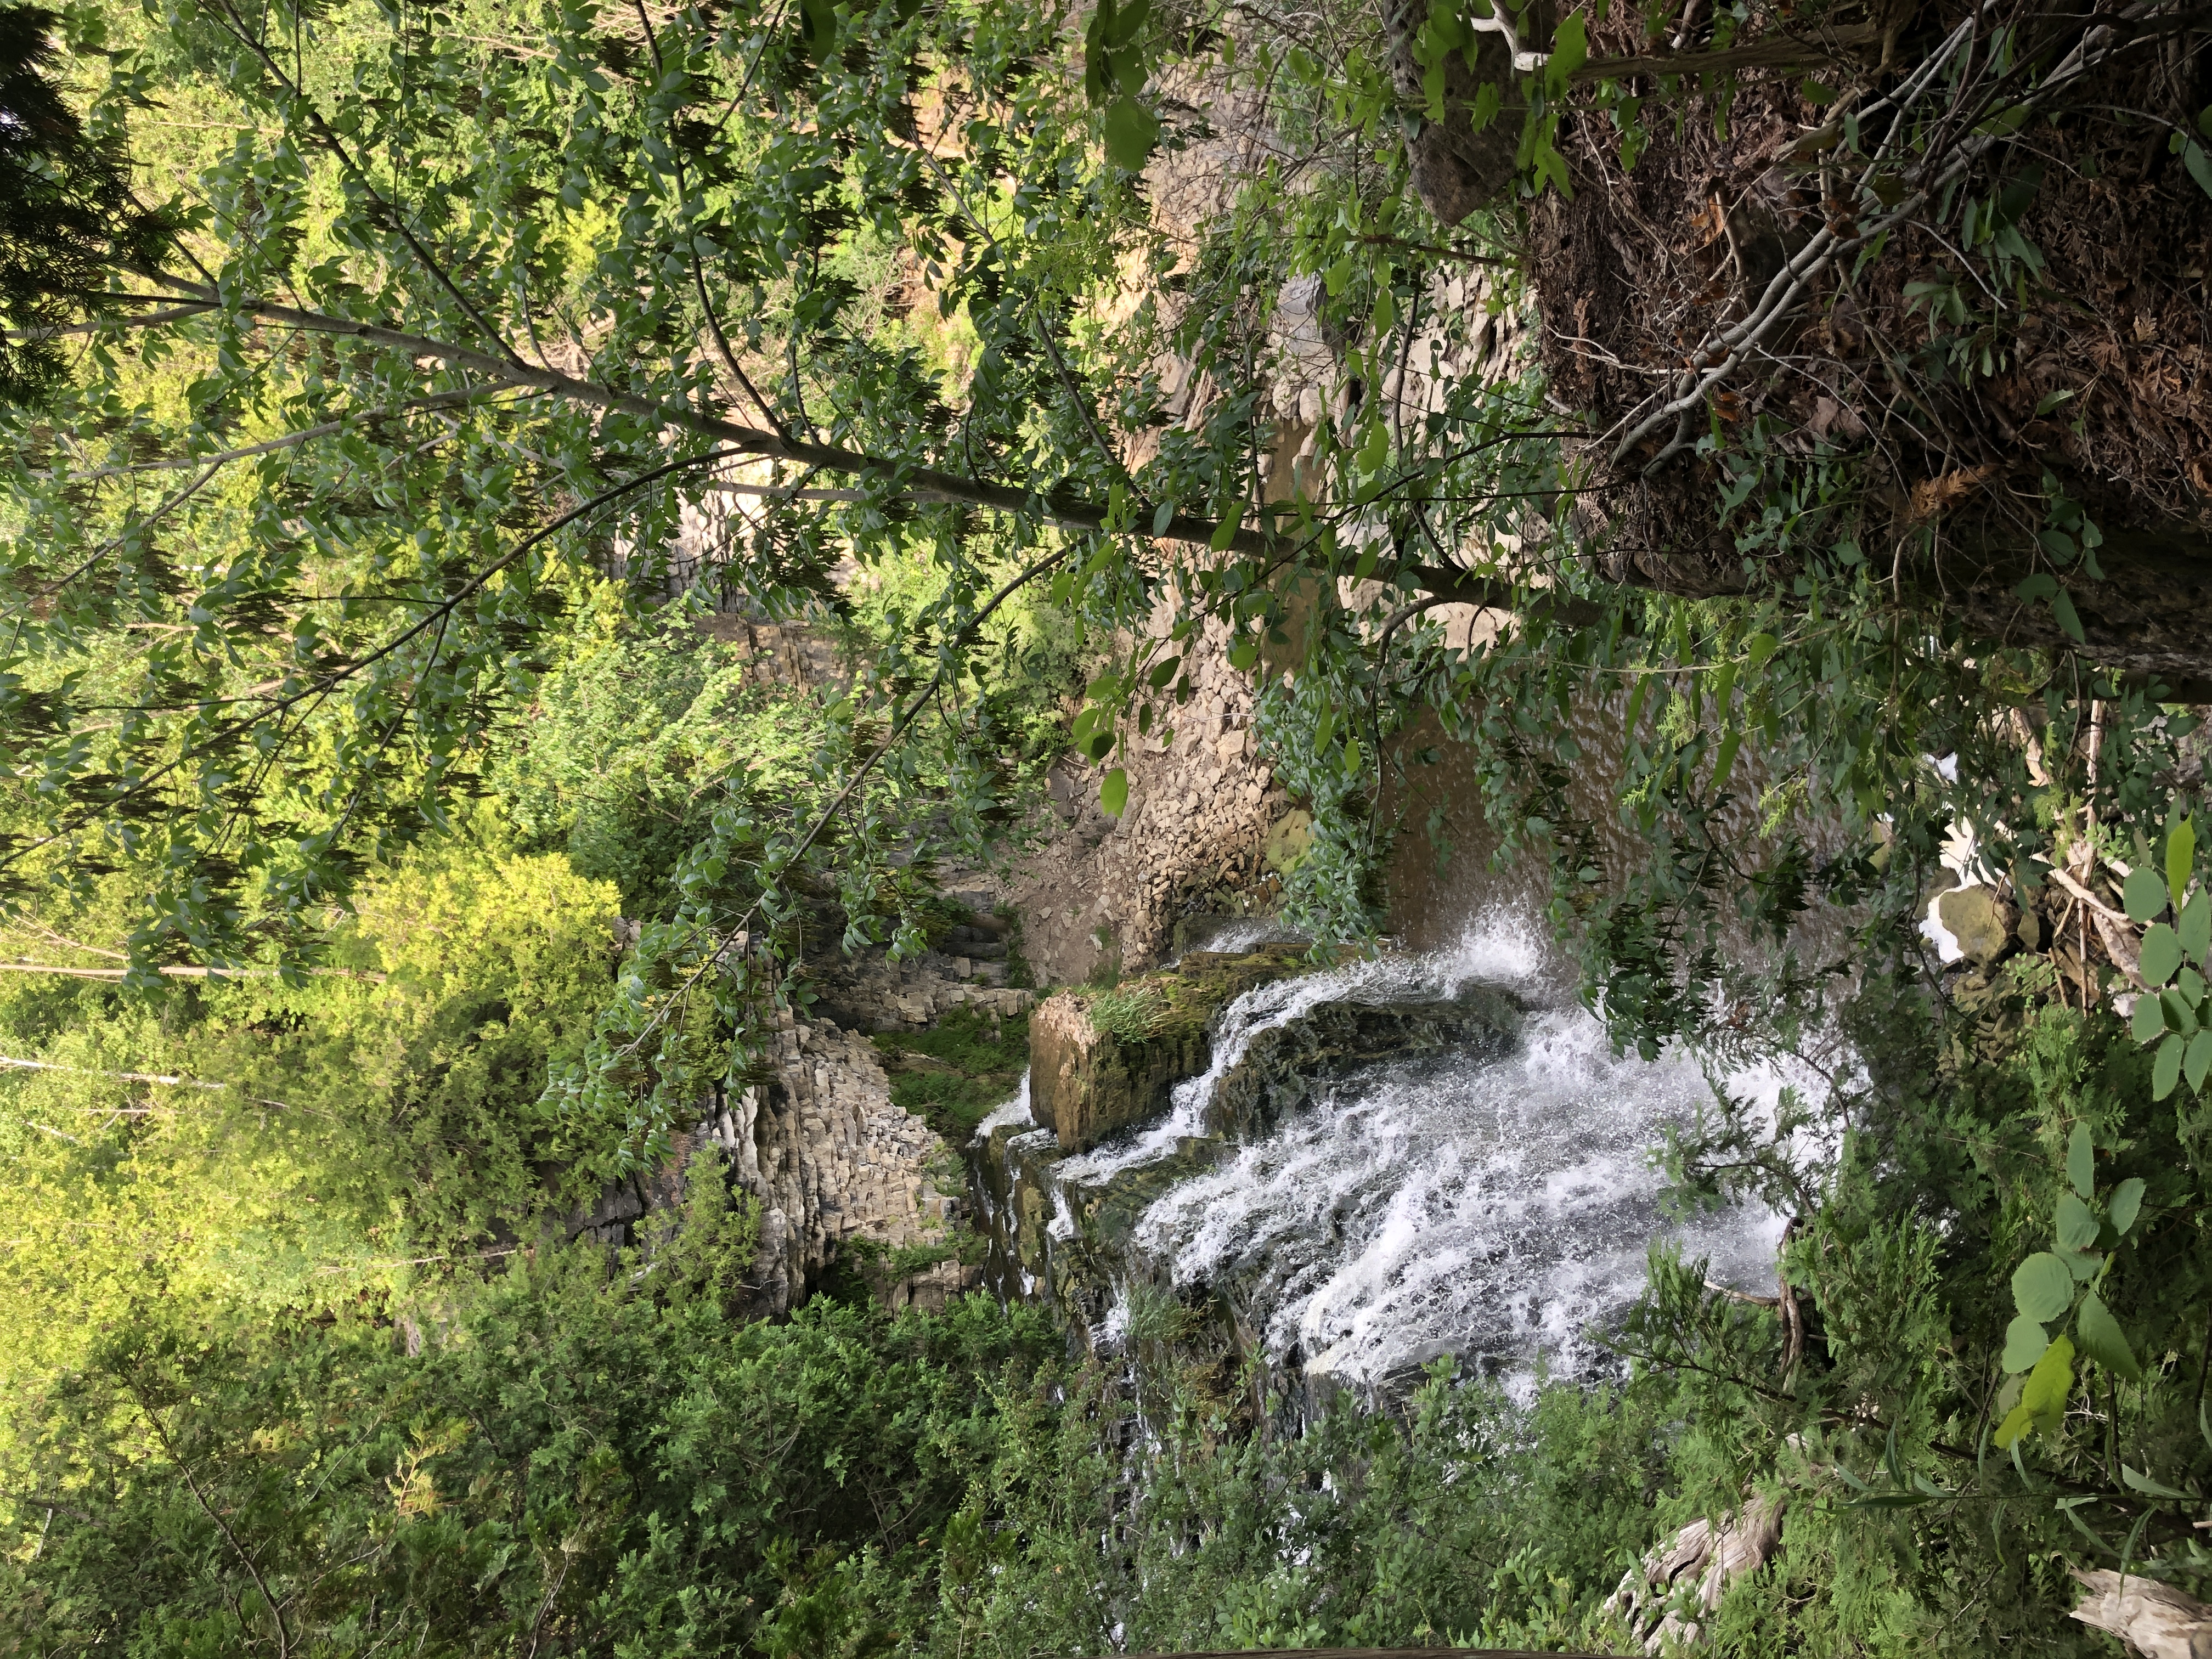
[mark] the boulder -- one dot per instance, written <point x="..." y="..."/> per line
<point x="1981" y="921"/>
<point x="1100" y="1060"/>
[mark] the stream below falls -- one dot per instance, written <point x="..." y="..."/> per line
<point x="1493" y="1200"/>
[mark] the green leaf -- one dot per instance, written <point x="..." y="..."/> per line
<point x="1113" y="792"/>
<point x="2195" y="928"/>
<point x="1723" y="688"/>
<point x="2148" y="1487"/>
<point x="1725" y="760"/>
<point x="2041" y="585"/>
<point x="2051" y="400"/>
<point x="1759" y="647"/>
<point x="2180" y="858"/>
<point x="1163" y="516"/>
<point x="2180" y="1011"/>
<point x="2101" y="1340"/>
<point x="1244" y="653"/>
<point x="2024" y="1342"/>
<point x="1636" y="704"/>
<point x="1226" y="531"/>
<point x="1569" y="50"/>
<point x="2166" y="1070"/>
<point x="2061" y="606"/>
<point x="2198" y="1059"/>
<point x="2199" y="165"/>
<point x="2081" y="1163"/>
<point x="1131" y="131"/>
<point x="2041" y="1286"/>
<point x="2043" y="1398"/>
<point x="2149" y="1020"/>
<point x="2127" y="1204"/>
<point x="2144" y="896"/>
<point x="2161" y="954"/>
<point x="2082" y="1268"/>
<point x="2078" y="1227"/>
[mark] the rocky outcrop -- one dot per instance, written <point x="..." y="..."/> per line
<point x="1284" y="1066"/>
<point x="1100" y="1060"/>
<point x="836" y="1166"/>
<point x="1107" y="892"/>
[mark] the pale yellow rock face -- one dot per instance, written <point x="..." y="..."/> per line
<point x="1092" y="1072"/>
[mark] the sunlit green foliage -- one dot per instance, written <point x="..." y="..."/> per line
<point x="254" y="1145"/>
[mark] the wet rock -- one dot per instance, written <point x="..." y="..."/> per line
<point x="1102" y="1059"/>
<point x="1284" y="1066"/>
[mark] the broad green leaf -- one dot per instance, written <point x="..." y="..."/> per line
<point x="2144" y="896"/>
<point x="2024" y="1341"/>
<point x="2043" y="1398"/>
<point x="2199" y="165"/>
<point x="2041" y="1286"/>
<point x="1759" y="647"/>
<point x="2127" y="1204"/>
<point x="2077" y="1226"/>
<point x="2161" y="954"/>
<point x="1569" y="50"/>
<point x="2194" y="930"/>
<point x="2180" y="858"/>
<point x="2041" y="585"/>
<point x="2198" y="1059"/>
<point x="2101" y="1340"/>
<point x="2166" y="1070"/>
<point x="2149" y="1020"/>
<point x="2082" y="1268"/>
<point x="2180" y="1012"/>
<point x="2061" y="606"/>
<point x="2081" y="1164"/>
<point x="2015" y="1423"/>
<point x="1131" y="131"/>
<point x="2151" y="1488"/>
<point x="1113" y="792"/>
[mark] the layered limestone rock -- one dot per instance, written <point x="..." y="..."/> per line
<point x="1100" y="1060"/>
<point x="835" y="1165"/>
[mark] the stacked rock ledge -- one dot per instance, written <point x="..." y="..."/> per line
<point x="1100" y="1060"/>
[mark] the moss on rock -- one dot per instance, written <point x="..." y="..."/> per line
<point x="1100" y="1060"/>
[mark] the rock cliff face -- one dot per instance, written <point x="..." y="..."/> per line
<point x="1109" y="892"/>
<point x="835" y="1164"/>
<point x="843" y="1175"/>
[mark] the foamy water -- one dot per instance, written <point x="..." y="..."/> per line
<point x="1499" y="1209"/>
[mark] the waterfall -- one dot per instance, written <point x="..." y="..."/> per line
<point x="1496" y="1205"/>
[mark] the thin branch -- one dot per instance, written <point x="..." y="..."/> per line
<point x="913" y="482"/>
<point x="283" y="1635"/>
<point x="12" y="1063"/>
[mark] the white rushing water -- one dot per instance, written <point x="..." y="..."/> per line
<point x="1497" y="1209"/>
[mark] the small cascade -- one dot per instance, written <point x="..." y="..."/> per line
<point x="1487" y="1192"/>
